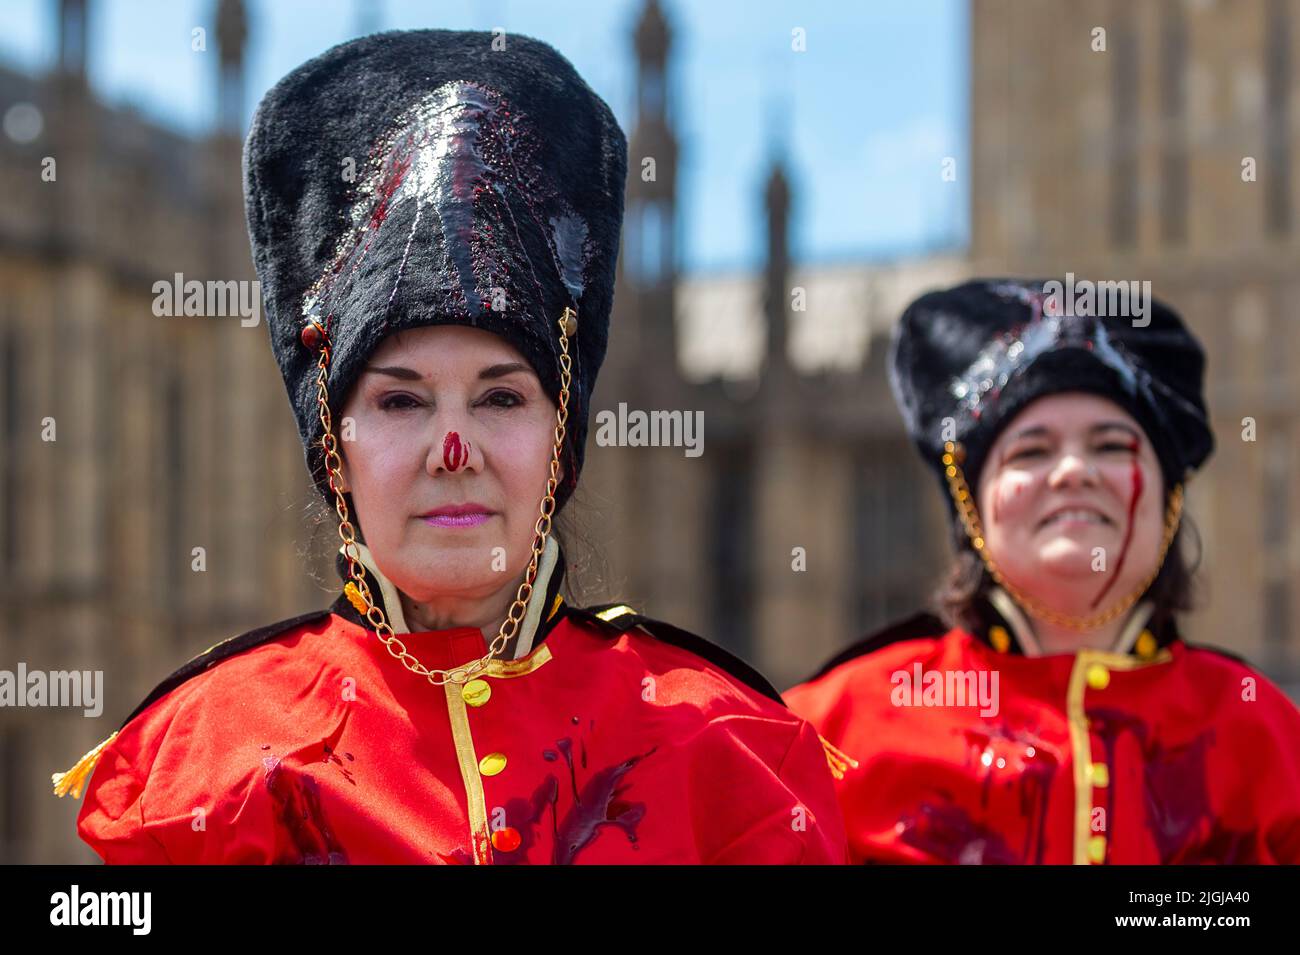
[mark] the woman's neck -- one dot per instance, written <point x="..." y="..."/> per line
<point x="1053" y="638"/>
<point x="486" y="614"/>
<point x="1040" y="636"/>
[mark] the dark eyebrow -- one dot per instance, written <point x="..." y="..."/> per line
<point x="1107" y="425"/>
<point x="409" y="374"/>
<point x="1037" y="431"/>
<point x="500" y="371"/>
<point x="406" y="374"/>
<point x="1041" y="430"/>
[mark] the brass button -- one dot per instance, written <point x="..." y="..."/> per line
<point x="492" y="763"/>
<point x="1098" y="676"/>
<point x="1097" y="849"/>
<point x="1099" y="774"/>
<point x="476" y="692"/>
<point x="1146" y="645"/>
<point x="1000" y="639"/>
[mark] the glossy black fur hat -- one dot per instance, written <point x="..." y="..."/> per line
<point x="973" y="356"/>
<point x="486" y="190"/>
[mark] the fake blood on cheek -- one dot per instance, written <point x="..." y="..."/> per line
<point x="1009" y="492"/>
<point x="1136" y="488"/>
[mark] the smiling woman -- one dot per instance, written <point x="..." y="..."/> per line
<point x="1073" y="514"/>
<point x="450" y="705"/>
<point x="1110" y="740"/>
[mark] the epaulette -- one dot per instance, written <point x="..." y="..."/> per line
<point x="75" y="778"/>
<point x="916" y="627"/>
<point x="621" y="618"/>
<point x="1219" y="651"/>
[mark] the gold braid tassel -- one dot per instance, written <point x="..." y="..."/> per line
<point x="75" y="778"/>
<point x="837" y="760"/>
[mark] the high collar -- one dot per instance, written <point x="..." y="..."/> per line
<point x="458" y="645"/>
<point x="1006" y="628"/>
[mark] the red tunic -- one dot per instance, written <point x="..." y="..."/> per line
<point x="602" y="745"/>
<point x="1183" y="756"/>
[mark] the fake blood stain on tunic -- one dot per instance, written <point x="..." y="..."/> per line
<point x="297" y="807"/>
<point x="599" y="803"/>
<point x="946" y="831"/>
<point x="1176" y="794"/>
<point x="1034" y="764"/>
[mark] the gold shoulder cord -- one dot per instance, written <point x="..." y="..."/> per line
<point x="568" y="326"/>
<point x="953" y="457"/>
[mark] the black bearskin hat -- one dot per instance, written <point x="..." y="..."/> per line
<point x="429" y="177"/>
<point x="965" y="360"/>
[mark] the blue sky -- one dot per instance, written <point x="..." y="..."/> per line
<point x="864" y="115"/>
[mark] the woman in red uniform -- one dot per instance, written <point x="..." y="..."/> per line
<point x="439" y="319"/>
<point x="1052" y="714"/>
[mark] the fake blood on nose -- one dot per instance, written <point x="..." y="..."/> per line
<point x="454" y="454"/>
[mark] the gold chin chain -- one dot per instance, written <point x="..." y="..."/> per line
<point x="568" y="326"/>
<point x="953" y="456"/>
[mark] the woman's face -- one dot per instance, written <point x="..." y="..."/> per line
<point x="1072" y="503"/>
<point x="448" y="420"/>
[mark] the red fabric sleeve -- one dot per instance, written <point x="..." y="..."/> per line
<point x="111" y="820"/>
<point x="157" y="795"/>
<point x="1276" y="771"/>
<point x="761" y="794"/>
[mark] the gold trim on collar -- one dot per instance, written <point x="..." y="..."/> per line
<point x="613" y="613"/>
<point x="505" y="669"/>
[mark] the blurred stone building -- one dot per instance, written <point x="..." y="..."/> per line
<point x="807" y="518"/>
<point x="1110" y="138"/>
<point x="166" y="512"/>
<point x="1172" y="156"/>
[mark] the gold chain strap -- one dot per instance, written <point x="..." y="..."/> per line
<point x="965" y="501"/>
<point x="567" y="324"/>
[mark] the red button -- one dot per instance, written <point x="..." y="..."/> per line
<point x="505" y="840"/>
